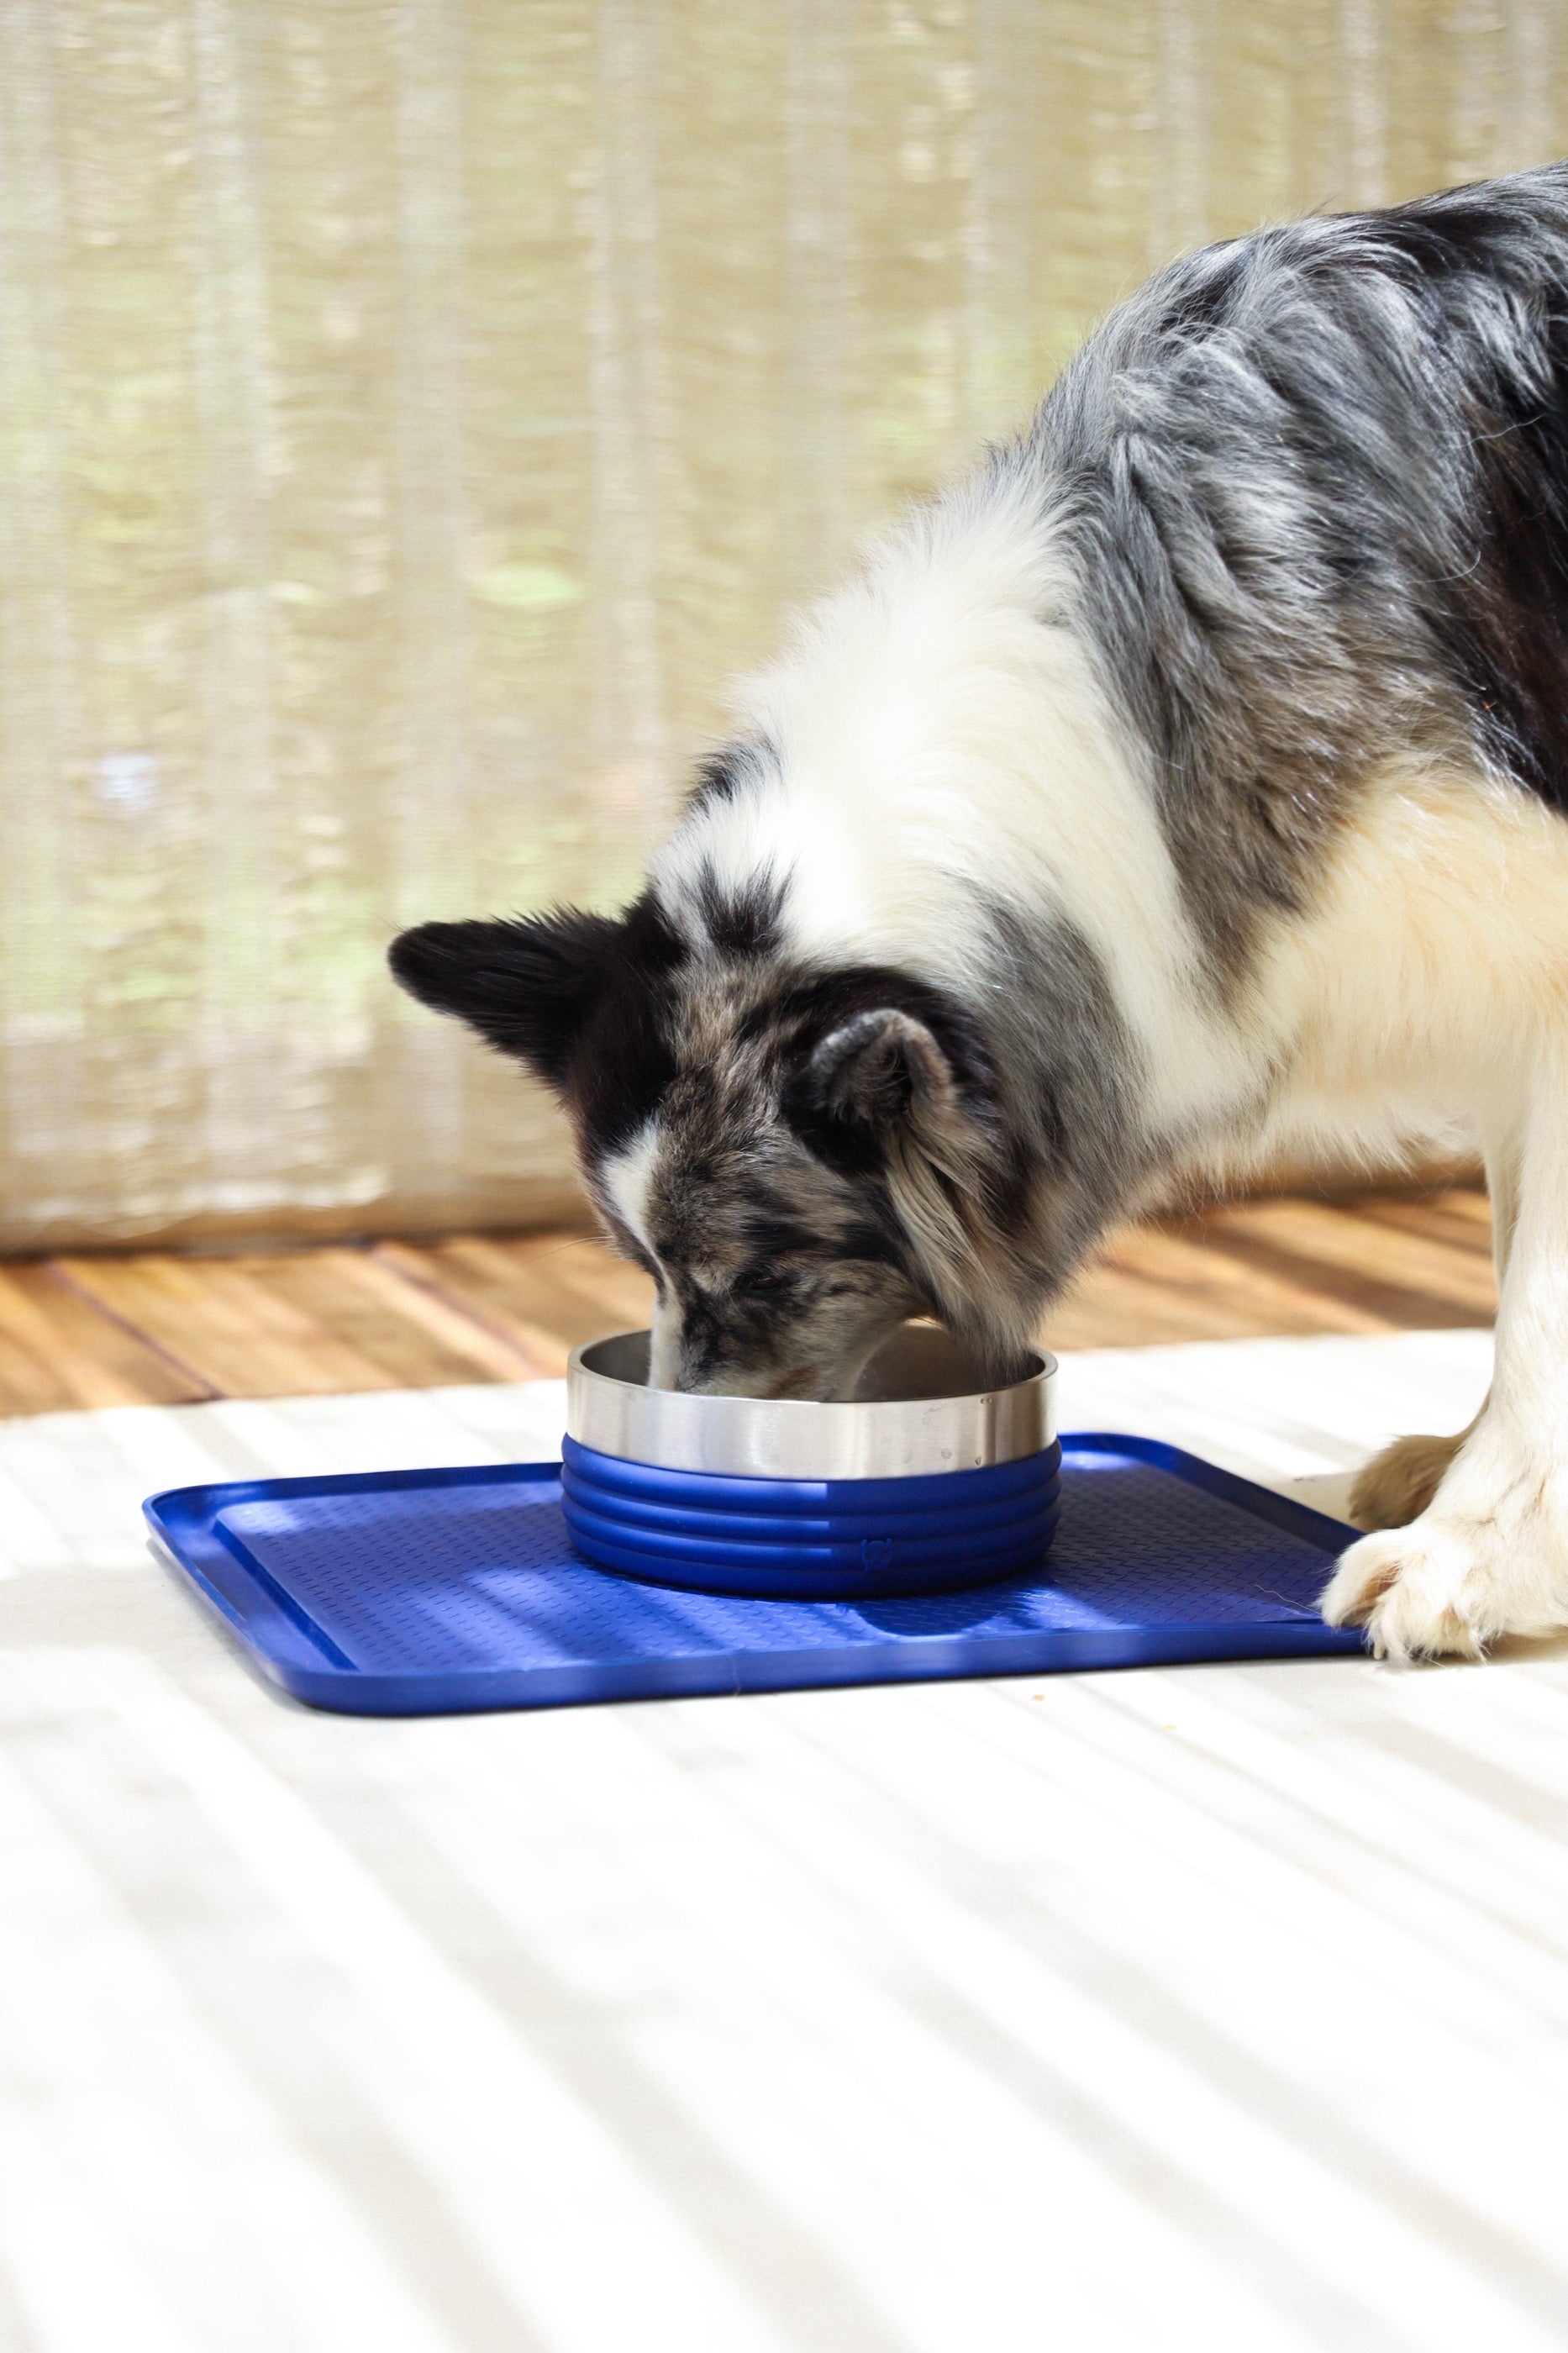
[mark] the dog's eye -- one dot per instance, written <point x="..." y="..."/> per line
<point x="764" y="1279"/>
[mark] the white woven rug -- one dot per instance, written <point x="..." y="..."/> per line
<point x="1221" y="2006"/>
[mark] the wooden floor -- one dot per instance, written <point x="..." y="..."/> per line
<point x="150" y="1328"/>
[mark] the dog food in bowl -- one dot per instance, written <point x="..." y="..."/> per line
<point x="925" y="1482"/>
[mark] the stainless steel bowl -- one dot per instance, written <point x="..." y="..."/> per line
<point x="919" y="1407"/>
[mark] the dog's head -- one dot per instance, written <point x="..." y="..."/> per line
<point x="801" y="1157"/>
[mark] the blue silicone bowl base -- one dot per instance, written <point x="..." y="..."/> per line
<point x="833" y="1540"/>
<point x="432" y="1592"/>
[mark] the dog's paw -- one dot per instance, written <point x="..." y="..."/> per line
<point x="1396" y="1485"/>
<point x="1457" y="1580"/>
<point x="1418" y="1592"/>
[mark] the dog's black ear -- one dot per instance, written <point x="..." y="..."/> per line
<point x="881" y="1069"/>
<point x="526" y="985"/>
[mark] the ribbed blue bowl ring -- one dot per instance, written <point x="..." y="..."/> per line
<point x="818" y="1540"/>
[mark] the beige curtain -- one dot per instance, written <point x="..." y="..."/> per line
<point x="412" y="411"/>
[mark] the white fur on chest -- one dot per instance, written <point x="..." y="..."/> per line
<point x="1419" y="996"/>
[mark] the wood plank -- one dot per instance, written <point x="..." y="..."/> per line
<point x="153" y="1327"/>
<point x="1469" y="1202"/>
<point x="607" y="1286"/>
<point x="229" y="1326"/>
<point x="1168" y="1283"/>
<point x="544" y="1294"/>
<point x="395" y="1322"/>
<point x="1250" y="1270"/>
<point x="58" y="1353"/>
<point x="1452" y="1220"/>
<point x="307" y="1324"/>
<point x="1111" y="1307"/>
<point x="1386" y="1260"/>
<point x="474" y="1274"/>
<point x="1362" y="1302"/>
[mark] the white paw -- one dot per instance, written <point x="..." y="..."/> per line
<point x="1449" y="1585"/>
<point x="1409" y="1592"/>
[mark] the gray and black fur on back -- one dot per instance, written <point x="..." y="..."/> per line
<point x="976" y="932"/>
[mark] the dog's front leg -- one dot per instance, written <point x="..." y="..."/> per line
<point x="1396" y="1485"/>
<point x="1490" y="1554"/>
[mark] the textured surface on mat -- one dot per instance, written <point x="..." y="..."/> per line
<point x="485" y="1576"/>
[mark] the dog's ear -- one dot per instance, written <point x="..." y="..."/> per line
<point x="882" y="1069"/>
<point x="526" y="985"/>
<point x="882" y="1083"/>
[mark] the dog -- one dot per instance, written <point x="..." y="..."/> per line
<point x="1185" y="788"/>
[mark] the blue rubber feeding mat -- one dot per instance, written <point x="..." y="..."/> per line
<point x="428" y="1592"/>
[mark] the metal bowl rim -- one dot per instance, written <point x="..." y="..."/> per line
<point x="803" y="1438"/>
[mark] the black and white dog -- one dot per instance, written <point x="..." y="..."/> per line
<point x="1188" y="786"/>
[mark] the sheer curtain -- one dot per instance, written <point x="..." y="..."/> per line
<point x="412" y="411"/>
